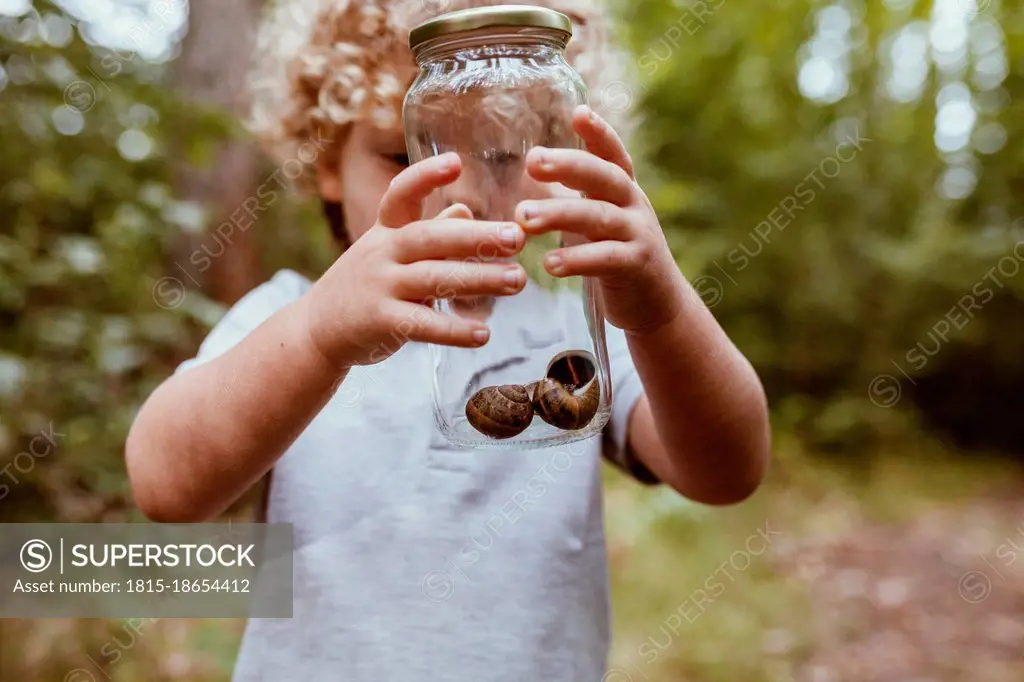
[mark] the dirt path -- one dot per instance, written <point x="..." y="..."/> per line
<point x="939" y="599"/>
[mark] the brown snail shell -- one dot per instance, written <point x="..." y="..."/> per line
<point x="560" y="407"/>
<point x="500" y="411"/>
<point x="572" y="368"/>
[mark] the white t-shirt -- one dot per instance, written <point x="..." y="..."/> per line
<point x="415" y="560"/>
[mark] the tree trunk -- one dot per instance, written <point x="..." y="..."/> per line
<point x="211" y="72"/>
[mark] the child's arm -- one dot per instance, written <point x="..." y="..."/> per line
<point x="207" y="434"/>
<point x="702" y="426"/>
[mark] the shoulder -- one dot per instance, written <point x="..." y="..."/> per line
<point x="252" y="309"/>
<point x="249" y="312"/>
<point x="283" y="288"/>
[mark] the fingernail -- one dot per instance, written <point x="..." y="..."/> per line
<point x="451" y="162"/>
<point x="529" y="213"/>
<point x="555" y="264"/>
<point x="480" y="336"/>
<point x="544" y="160"/>
<point x="513" y="279"/>
<point x="509" y="236"/>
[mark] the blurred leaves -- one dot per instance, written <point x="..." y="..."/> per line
<point x="90" y="226"/>
<point x="741" y="104"/>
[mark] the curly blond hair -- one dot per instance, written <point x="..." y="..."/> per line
<point x="321" y="65"/>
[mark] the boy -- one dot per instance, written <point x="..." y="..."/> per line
<point x="414" y="560"/>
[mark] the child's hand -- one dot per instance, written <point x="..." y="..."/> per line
<point x="622" y="242"/>
<point x="376" y="297"/>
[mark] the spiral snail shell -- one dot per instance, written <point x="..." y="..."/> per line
<point x="558" y="406"/>
<point x="567" y="398"/>
<point x="500" y="411"/>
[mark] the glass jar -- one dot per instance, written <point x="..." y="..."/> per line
<point x="493" y="83"/>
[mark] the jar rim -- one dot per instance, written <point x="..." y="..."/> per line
<point x="496" y="16"/>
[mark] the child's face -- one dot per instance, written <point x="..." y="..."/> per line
<point x="371" y="158"/>
<point x="492" y="149"/>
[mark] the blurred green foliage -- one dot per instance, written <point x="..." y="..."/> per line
<point x="90" y="233"/>
<point x="830" y="259"/>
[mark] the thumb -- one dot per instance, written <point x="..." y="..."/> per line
<point x="455" y="211"/>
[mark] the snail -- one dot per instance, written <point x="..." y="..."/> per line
<point x="500" y="411"/>
<point x="557" y="398"/>
<point x="558" y="406"/>
<point x="567" y="398"/>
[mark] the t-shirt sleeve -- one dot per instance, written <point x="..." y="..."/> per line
<point x="248" y="313"/>
<point x="627" y="389"/>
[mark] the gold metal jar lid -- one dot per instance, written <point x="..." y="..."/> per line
<point x="497" y="16"/>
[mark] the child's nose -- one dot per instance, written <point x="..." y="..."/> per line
<point x="490" y="195"/>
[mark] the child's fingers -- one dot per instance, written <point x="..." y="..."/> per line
<point x="427" y="280"/>
<point x="597" y="259"/>
<point x="596" y="220"/>
<point x="581" y="170"/>
<point x="455" y="211"/>
<point x="601" y="139"/>
<point x="403" y="201"/>
<point x="440" y="239"/>
<point x="426" y="325"/>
